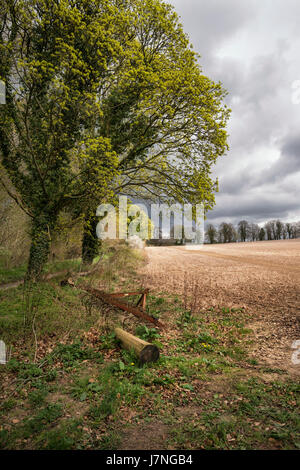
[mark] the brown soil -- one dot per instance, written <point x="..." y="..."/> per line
<point x="150" y="436"/>
<point x="263" y="277"/>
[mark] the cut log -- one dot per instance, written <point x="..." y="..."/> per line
<point x="146" y="352"/>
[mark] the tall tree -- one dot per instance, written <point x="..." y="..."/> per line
<point x="55" y="58"/>
<point x="227" y="233"/>
<point x="284" y="232"/>
<point x="262" y="234"/>
<point x="254" y="232"/>
<point x="211" y="233"/>
<point x="279" y="229"/>
<point x="165" y="119"/>
<point x="243" y="230"/>
<point x="296" y="230"/>
<point x="273" y="229"/>
<point x="289" y="229"/>
<point x="270" y="230"/>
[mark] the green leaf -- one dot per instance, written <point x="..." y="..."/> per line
<point x="188" y="387"/>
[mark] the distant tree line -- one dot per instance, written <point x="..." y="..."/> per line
<point x="246" y="231"/>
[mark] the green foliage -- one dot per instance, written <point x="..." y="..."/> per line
<point x="204" y="400"/>
<point x="204" y="395"/>
<point x="206" y="338"/>
<point x="193" y="343"/>
<point x="47" y="415"/>
<point x="37" y="397"/>
<point x="7" y="405"/>
<point x="90" y="242"/>
<point x="186" y="318"/>
<point x="64" y="437"/>
<point x="178" y="112"/>
<point x="47" y="304"/>
<point x="104" y="88"/>
<point x="17" y="273"/>
<point x="70" y="354"/>
<point x="146" y="333"/>
<point x="25" y="370"/>
<point x="11" y="274"/>
<point x="259" y="416"/>
<point x="83" y="389"/>
<point x="50" y="149"/>
<point x="110" y="441"/>
<point x="108" y="341"/>
<point x="110" y="400"/>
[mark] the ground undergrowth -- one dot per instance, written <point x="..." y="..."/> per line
<point x="69" y="384"/>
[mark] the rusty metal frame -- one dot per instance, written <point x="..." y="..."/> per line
<point x="112" y="299"/>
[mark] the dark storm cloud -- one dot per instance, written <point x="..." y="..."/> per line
<point x="289" y="161"/>
<point x="287" y="164"/>
<point x="253" y="47"/>
<point x="247" y="207"/>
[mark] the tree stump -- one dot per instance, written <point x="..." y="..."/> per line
<point x="146" y="352"/>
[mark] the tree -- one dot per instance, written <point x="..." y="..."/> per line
<point x="227" y="233"/>
<point x="54" y="60"/>
<point x="289" y="229"/>
<point x="296" y="230"/>
<point x="211" y="233"/>
<point x="100" y="89"/>
<point x="284" y="232"/>
<point x="243" y="230"/>
<point x="165" y="119"/>
<point x="279" y="229"/>
<point x="269" y="230"/>
<point x="254" y="232"/>
<point x="262" y="234"/>
<point x="273" y="229"/>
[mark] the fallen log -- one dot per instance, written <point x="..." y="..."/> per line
<point x="146" y="352"/>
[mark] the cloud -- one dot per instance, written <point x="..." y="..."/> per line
<point x="271" y="206"/>
<point x="253" y="49"/>
<point x="209" y="23"/>
<point x="289" y="161"/>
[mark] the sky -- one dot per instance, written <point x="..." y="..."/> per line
<point x="253" y="48"/>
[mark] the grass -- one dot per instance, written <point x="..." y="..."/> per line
<point x="12" y="274"/>
<point x="56" y="310"/>
<point x="84" y="391"/>
<point x="254" y="415"/>
<point x="17" y="273"/>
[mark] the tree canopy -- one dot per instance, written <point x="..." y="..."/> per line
<point x="102" y="97"/>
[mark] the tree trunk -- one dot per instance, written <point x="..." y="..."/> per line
<point x="39" y="249"/>
<point x="146" y="352"/>
<point x="90" y="242"/>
